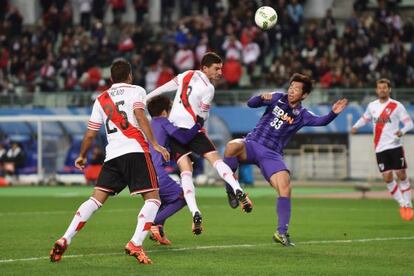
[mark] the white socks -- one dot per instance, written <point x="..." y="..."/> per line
<point x="405" y="188"/>
<point x="396" y="193"/>
<point x="189" y="191"/>
<point x="82" y="215"/>
<point x="227" y="174"/>
<point x="145" y="219"/>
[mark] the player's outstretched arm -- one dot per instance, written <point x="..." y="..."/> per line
<point x="146" y="128"/>
<point x="365" y="118"/>
<point x="88" y="138"/>
<point x="339" y="106"/>
<point x="183" y="135"/>
<point x="260" y="100"/>
<point x="313" y="120"/>
<point x="172" y="85"/>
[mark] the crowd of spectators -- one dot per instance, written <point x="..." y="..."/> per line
<point x="58" y="55"/>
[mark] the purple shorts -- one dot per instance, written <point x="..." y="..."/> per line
<point x="170" y="190"/>
<point x="269" y="161"/>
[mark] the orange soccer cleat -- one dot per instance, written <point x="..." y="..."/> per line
<point x="138" y="252"/>
<point x="408" y="213"/>
<point x="58" y="249"/>
<point x="157" y="234"/>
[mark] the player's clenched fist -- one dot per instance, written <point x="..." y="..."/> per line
<point x="266" y="96"/>
<point x="80" y="163"/>
<point x="163" y="151"/>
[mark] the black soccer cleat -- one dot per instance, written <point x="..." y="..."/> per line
<point x="283" y="239"/>
<point x="197" y="227"/>
<point x="232" y="199"/>
<point x="245" y="202"/>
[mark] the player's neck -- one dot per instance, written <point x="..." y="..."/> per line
<point x="384" y="100"/>
<point x="294" y="104"/>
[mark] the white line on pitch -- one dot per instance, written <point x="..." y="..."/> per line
<point x="211" y="247"/>
<point x="60" y="212"/>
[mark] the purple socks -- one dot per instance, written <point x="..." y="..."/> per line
<point x="283" y="214"/>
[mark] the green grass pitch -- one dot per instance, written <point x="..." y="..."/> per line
<point x="332" y="236"/>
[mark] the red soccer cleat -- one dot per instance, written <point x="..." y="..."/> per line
<point x="138" y="252"/>
<point x="58" y="249"/>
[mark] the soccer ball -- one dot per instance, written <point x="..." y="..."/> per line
<point x="265" y="17"/>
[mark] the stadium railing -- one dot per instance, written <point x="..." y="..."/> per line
<point x="222" y="97"/>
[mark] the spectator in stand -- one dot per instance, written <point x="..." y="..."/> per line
<point x="48" y="76"/>
<point x="232" y="47"/>
<point x="14" y="160"/>
<point x="99" y="8"/>
<point x="151" y="77"/>
<point x="251" y="54"/>
<point x="141" y="8"/>
<point x="118" y="9"/>
<point x="13" y="22"/>
<point x="85" y="7"/>
<point x="295" y="13"/>
<point x="184" y="59"/>
<point x="232" y="72"/>
<point x="166" y="74"/>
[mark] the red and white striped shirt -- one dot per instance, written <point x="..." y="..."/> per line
<point x="114" y="109"/>
<point x="386" y="118"/>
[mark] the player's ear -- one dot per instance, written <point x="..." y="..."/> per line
<point x="304" y="96"/>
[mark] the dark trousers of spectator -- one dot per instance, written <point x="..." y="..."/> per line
<point x="86" y="20"/>
<point x="139" y="16"/>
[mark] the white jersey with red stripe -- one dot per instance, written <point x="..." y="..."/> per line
<point x="193" y="97"/>
<point x="114" y="109"/>
<point x="386" y="118"/>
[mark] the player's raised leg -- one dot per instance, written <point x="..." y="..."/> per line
<point x="281" y="182"/>
<point x="227" y="175"/>
<point x="82" y="215"/>
<point x="145" y="220"/>
<point x="235" y="150"/>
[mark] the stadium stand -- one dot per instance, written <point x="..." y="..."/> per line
<point x="57" y="55"/>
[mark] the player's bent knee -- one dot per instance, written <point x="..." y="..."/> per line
<point x="233" y="148"/>
<point x="387" y="176"/>
<point x="151" y="195"/>
<point x="401" y="174"/>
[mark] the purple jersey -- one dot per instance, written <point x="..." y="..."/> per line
<point x="280" y="122"/>
<point x="162" y="129"/>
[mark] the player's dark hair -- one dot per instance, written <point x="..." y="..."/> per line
<point x="158" y="104"/>
<point x="306" y="80"/>
<point x="210" y="58"/>
<point x="384" y="80"/>
<point x="120" y="70"/>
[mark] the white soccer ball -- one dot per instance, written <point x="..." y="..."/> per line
<point x="265" y="17"/>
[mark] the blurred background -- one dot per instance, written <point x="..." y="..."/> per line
<point x="55" y="57"/>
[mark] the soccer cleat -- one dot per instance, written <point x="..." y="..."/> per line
<point x="58" y="249"/>
<point x="157" y="234"/>
<point x="245" y="202"/>
<point x="283" y="239"/>
<point x="402" y="212"/>
<point x="233" y="202"/>
<point x="138" y="252"/>
<point x="197" y="228"/>
<point x="408" y="213"/>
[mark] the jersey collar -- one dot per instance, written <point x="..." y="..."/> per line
<point x="203" y="76"/>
